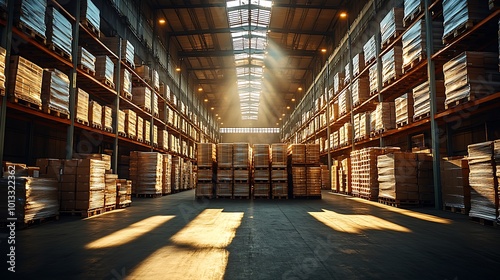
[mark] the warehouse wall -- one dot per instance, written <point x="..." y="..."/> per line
<point x="254" y="138"/>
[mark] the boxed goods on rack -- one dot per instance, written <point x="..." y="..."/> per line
<point x="124" y="193"/>
<point x="392" y="65"/>
<point x="130" y="123"/>
<point x="404" y="110"/>
<point x="347" y="72"/>
<point x="358" y="64"/>
<point x="205" y="154"/>
<point x="86" y="60"/>
<point x="411" y="9"/>
<point x="455" y="184"/>
<point x="141" y="96"/>
<point x="31" y="15"/>
<point x="26" y="80"/>
<point x="155" y="109"/>
<point x="110" y="191"/>
<point x="373" y="76"/>
<point x="82" y="106"/>
<point x="360" y="90"/>
<point x="105" y="70"/>
<point x="391" y="26"/>
<point x="149" y="179"/>
<point x="385" y="117"/>
<point x="127" y="54"/>
<point x="144" y="72"/>
<point x="415" y="41"/>
<point x="163" y="139"/>
<point x="421" y="100"/>
<point x="95" y="114"/>
<point x="397" y="177"/>
<point x="369" y="50"/>
<point x="167" y="174"/>
<point x="126" y="78"/>
<point x="146" y="130"/>
<point x="460" y="15"/>
<point x="3" y="54"/>
<point x="483" y="180"/>
<point x="344" y="176"/>
<point x="225" y="155"/>
<point x="261" y="155"/>
<point x="344" y="102"/>
<point x="278" y="155"/>
<point x="55" y="91"/>
<point x="106" y="159"/>
<point x="90" y="14"/>
<point x="155" y="135"/>
<point x="312" y="154"/>
<point x="156" y="80"/>
<point x="140" y="129"/>
<point x="470" y="76"/>
<point x="297" y="153"/>
<point x="59" y="32"/>
<point x="338" y="82"/>
<point x="122" y="116"/>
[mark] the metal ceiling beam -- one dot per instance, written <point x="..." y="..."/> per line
<point x="220" y="53"/>
<point x="229" y="30"/>
<point x="223" y="5"/>
<point x="208" y="68"/>
<point x="305" y="6"/>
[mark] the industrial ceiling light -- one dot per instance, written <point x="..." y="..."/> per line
<point x="323" y="50"/>
<point x="162" y="21"/>
<point x="300" y="88"/>
<point x="219" y="118"/>
<point x="200" y="89"/>
<point x="283" y="114"/>
<point x="178" y="69"/>
<point x="343" y="14"/>
<point x="206" y="100"/>
<point x="216" y="115"/>
<point x="213" y="108"/>
<point x="293" y="99"/>
<point x="288" y="107"/>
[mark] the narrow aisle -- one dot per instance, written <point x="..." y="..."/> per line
<point x="177" y="237"/>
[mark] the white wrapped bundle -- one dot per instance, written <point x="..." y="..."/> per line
<point x="457" y="13"/>
<point x="131" y="123"/>
<point x="411" y="7"/>
<point x="369" y="50"/>
<point x="373" y="75"/>
<point x="95" y="113"/>
<point x="358" y="64"/>
<point x="86" y="59"/>
<point x="59" y="30"/>
<point x="3" y="54"/>
<point x="82" y="106"/>
<point x="391" y="25"/>
<point x="156" y="80"/>
<point x="155" y="135"/>
<point x="26" y="80"/>
<point x="156" y="109"/>
<point x="104" y="68"/>
<point x="142" y="97"/>
<point x="107" y="118"/>
<point x="55" y="91"/>
<point x="392" y="64"/>
<point x="147" y="131"/>
<point x="121" y="122"/>
<point x="33" y="15"/>
<point x="91" y="13"/>
<point x="127" y="82"/>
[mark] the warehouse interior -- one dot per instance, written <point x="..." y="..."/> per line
<point x="250" y="139"/>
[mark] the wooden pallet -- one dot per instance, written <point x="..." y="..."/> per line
<point x="55" y="113"/>
<point x="84" y="122"/>
<point x="279" y="196"/>
<point x="122" y="134"/>
<point x="455" y="209"/>
<point x="399" y="202"/>
<point x="123" y="205"/>
<point x="130" y="136"/>
<point x="108" y="129"/>
<point x="484" y="222"/>
<point x="359" y="139"/>
<point x="391" y="80"/>
<point x="411" y="17"/>
<point x="413" y="63"/>
<point x="147" y="143"/>
<point x="391" y="39"/>
<point x="146" y="109"/>
<point x="140" y="140"/>
<point x="156" y="115"/>
<point x="109" y="208"/>
<point x="83" y="213"/>
<point x="107" y="83"/>
<point x="459" y="102"/>
<point x="126" y="95"/>
<point x="2" y="91"/>
<point x="86" y="69"/>
<point x="421" y="117"/>
<point x="32" y="33"/>
<point x="97" y="125"/>
<point x="95" y="31"/>
<point x="148" y="195"/>
<point x="401" y="124"/>
<point x="449" y="38"/>
<point x="26" y="103"/>
<point x="59" y="51"/>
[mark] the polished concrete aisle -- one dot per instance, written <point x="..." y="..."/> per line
<point x="338" y="237"/>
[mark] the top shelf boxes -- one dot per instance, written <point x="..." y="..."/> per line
<point x="261" y="156"/>
<point x="241" y="155"/>
<point x="460" y="15"/>
<point x="391" y="26"/>
<point x="127" y="49"/>
<point x="205" y="154"/>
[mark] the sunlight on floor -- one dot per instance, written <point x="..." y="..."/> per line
<point x="198" y="251"/>
<point x="355" y="223"/>
<point x="129" y="233"/>
<point x="406" y="212"/>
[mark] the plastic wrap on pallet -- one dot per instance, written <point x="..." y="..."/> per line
<point x="313" y="174"/>
<point x="392" y="63"/>
<point x="278" y="154"/>
<point x="414" y="41"/>
<point x="336" y="139"/>
<point x="338" y="82"/>
<point x="457" y="13"/>
<point x="144" y="72"/>
<point x="421" y="99"/>
<point x="90" y="12"/>
<point x="386" y="115"/>
<point x="127" y="48"/>
<point x="3" y="54"/>
<point x="299" y="180"/>
<point x="82" y="105"/>
<point x="146" y="130"/>
<point x="127" y="82"/>
<point x="140" y="128"/>
<point x="373" y="76"/>
<point x="110" y="192"/>
<point x="206" y="154"/>
<point x="344" y="102"/>
<point x="360" y="90"/>
<point x="373" y="120"/>
<point x="465" y="76"/>
<point x="312" y="153"/>
<point x="358" y="64"/>
<point x="86" y="59"/>
<point x="59" y="30"/>
<point x="55" y="91"/>
<point x="455" y="183"/>
<point x="347" y="72"/>
<point x="242" y="155"/>
<point x="33" y="15"/>
<point x="142" y="97"/>
<point x="95" y="113"/>
<point x="167" y="174"/>
<point x="391" y="24"/>
<point x="26" y="80"/>
<point x="411" y="7"/>
<point x="155" y="135"/>
<point x="297" y="152"/>
<point x="156" y="108"/>
<point x="107" y="118"/>
<point x="404" y="109"/>
<point x="149" y="179"/>
<point x="225" y="154"/>
<point x="156" y="80"/>
<point x="261" y="155"/>
<point x="482" y="180"/>
<point x="369" y="50"/>
<point x="122" y="116"/>
<point x="397" y="176"/>
<point x="131" y="123"/>
<point x="104" y="68"/>
<point x="357" y="126"/>
<point x="163" y="139"/>
<point x="36" y="198"/>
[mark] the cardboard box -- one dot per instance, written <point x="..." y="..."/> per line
<point x="71" y="163"/>
<point x="69" y="170"/>
<point x="67" y="195"/>
<point x="67" y="205"/>
<point x="82" y="187"/>
<point x="83" y="170"/>
<point x="85" y="178"/>
<point x="67" y="178"/>
<point x="67" y="187"/>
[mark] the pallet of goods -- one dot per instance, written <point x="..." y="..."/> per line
<point x="470" y="76"/>
<point x="140" y="129"/>
<point x="344" y="102"/>
<point x="141" y="96"/>
<point x="166" y="186"/>
<point x="412" y="8"/>
<point x="163" y="139"/>
<point x="460" y="16"/>
<point x="146" y="131"/>
<point x="95" y="114"/>
<point x="344" y="176"/>
<point x="421" y="100"/>
<point x="338" y="82"/>
<point x="206" y="155"/>
<point x="360" y="90"/>
<point x="130" y="123"/>
<point x="242" y="157"/>
<point x="26" y="82"/>
<point x="86" y="61"/>
<point x="369" y="50"/>
<point x="3" y="54"/>
<point x="59" y="33"/>
<point x="358" y="63"/>
<point x="127" y="48"/>
<point x="404" y="110"/>
<point x="124" y="193"/>
<point x="391" y="26"/>
<point x="385" y="117"/>
<point x="55" y="92"/>
<point x="82" y="107"/>
<point x="297" y="153"/>
<point x="30" y="17"/>
<point x="299" y="181"/>
<point x="415" y="41"/>
<point x="483" y="182"/>
<point x="176" y="173"/>
<point x="313" y="174"/>
<point x="279" y="170"/>
<point x="373" y="76"/>
<point x="90" y="15"/>
<point x="122" y="116"/>
<point x="455" y="184"/>
<point x="392" y="65"/>
<point x="335" y="186"/>
<point x="325" y="177"/>
<point x="397" y="179"/>
<point x="126" y="89"/>
<point x="144" y="72"/>
<point x="105" y="70"/>
<point x="110" y="192"/>
<point x="149" y="179"/>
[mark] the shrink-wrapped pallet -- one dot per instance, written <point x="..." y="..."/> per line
<point x="360" y="90"/>
<point x="261" y="155"/>
<point x="206" y="154"/>
<point x="415" y="41"/>
<point x="412" y="8"/>
<point x="373" y="75"/>
<point x="176" y="173"/>
<point x="278" y="154"/>
<point x="421" y="99"/>
<point x="110" y="190"/>
<point x="369" y="50"/>
<point x="404" y="109"/>
<point x="397" y="176"/>
<point x="126" y="79"/>
<point x="127" y="54"/>
<point x="130" y="123"/>
<point x="26" y="80"/>
<point x="338" y="82"/>
<point x="144" y="72"/>
<point x="156" y="80"/>
<point x="140" y="129"/>
<point x="82" y="106"/>
<point x="3" y="54"/>
<point x="364" y="125"/>
<point x="124" y="190"/>
<point x="59" y="31"/>
<point x="347" y="71"/>
<point x="105" y="160"/>
<point x="141" y="96"/>
<point x="86" y="59"/>
<point x="95" y="113"/>
<point x="313" y="181"/>
<point x="385" y="116"/>
<point x="373" y="121"/>
<point x="90" y="13"/>
<point x="299" y="180"/>
<point x="155" y="135"/>
<point x="312" y="153"/>
<point x="122" y="116"/>
<point x="90" y="184"/>
<point x="455" y="183"/>
<point x="392" y="65"/>
<point x="470" y="76"/>
<point x="391" y="25"/>
<point x="156" y="108"/>
<point x="483" y="181"/>
<point x="335" y="143"/>
<point x="107" y="118"/>
<point x="461" y="14"/>
<point x="344" y="102"/>
<point x="146" y="130"/>
<point x="297" y="153"/>
<point x="358" y="64"/>
<point x="32" y="15"/>
<point x="36" y="199"/>
<point x="104" y="69"/>
<point x="225" y="155"/>
<point x="149" y="179"/>
<point x="163" y="139"/>
<point x="344" y="176"/>
<point x="55" y="91"/>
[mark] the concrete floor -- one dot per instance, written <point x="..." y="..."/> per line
<point x="176" y="237"/>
